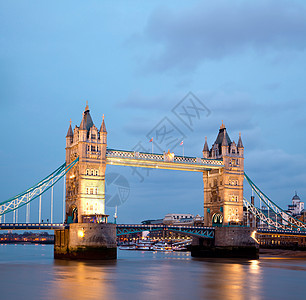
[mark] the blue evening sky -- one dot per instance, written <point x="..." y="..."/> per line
<point x="134" y="61"/>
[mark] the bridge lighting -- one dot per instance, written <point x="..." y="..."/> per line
<point x="81" y="233"/>
<point x="253" y="236"/>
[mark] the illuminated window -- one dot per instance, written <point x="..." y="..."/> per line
<point x="233" y="198"/>
<point x="91" y="191"/>
<point x="87" y="172"/>
<point x="87" y="191"/>
<point x="233" y="182"/>
<point x="96" y="191"/>
<point x="97" y="172"/>
<point x="92" y="172"/>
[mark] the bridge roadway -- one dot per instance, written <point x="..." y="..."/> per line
<point x="123" y="229"/>
<point x="161" y="161"/>
<point x="32" y="226"/>
<point x="267" y="231"/>
<point x="196" y="231"/>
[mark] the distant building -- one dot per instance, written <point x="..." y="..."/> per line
<point x="297" y="206"/>
<point x="152" y="222"/>
<point x="178" y="219"/>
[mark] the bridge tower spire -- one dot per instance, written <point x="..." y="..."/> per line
<point x="223" y="188"/>
<point x="85" y="183"/>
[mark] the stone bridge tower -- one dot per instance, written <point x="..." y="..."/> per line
<point x="85" y="182"/>
<point x="223" y="188"/>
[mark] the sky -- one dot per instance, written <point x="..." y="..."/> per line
<point x="135" y="62"/>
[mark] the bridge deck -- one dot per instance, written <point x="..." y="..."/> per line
<point x="123" y="229"/>
<point x="161" y="161"/>
<point x="266" y="231"/>
<point x="32" y="226"/>
<point x="206" y="232"/>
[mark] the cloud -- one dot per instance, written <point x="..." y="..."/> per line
<point x="212" y="31"/>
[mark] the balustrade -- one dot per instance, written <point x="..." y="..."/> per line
<point x="161" y="157"/>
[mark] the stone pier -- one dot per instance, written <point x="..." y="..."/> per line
<point x="231" y="242"/>
<point x="90" y="241"/>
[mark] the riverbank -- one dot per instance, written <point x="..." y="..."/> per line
<point x="282" y="253"/>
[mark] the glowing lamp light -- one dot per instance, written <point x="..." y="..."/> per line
<point x="81" y="233"/>
<point x="253" y="236"/>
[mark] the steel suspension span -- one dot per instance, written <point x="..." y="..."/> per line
<point x="204" y="232"/>
<point x="35" y="191"/>
<point x="288" y="221"/>
<point x="261" y="216"/>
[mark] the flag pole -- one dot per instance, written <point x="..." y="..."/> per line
<point x="151" y="141"/>
<point x="183" y="150"/>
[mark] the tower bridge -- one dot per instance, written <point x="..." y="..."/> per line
<point x="222" y="167"/>
<point x="85" y="226"/>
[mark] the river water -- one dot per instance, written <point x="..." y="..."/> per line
<point x="30" y="272"/>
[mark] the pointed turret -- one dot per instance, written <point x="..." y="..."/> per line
<point x="69" y="136"/>
<point x="82" y="125"/>
<point x="86" y="124"/>
<point x="206" y="145"/>
<point x="224" y="144"/>
<point x="103" y="127"/>
<point x="240" y="145"/>
<point x="70" y="132"/>
<point x="205" y="149"/>
<point x="103" y="132"/>
<point x="86" y="120"/>
<point x="224" y="140"/>
<point x="222" y="135"/>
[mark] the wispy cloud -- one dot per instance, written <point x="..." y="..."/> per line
<point x="214" y="30"/>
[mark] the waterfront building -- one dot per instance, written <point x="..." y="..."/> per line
<point x="153" y="222"/>
<point x="178" y="219"/>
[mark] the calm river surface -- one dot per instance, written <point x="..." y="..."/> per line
<point x="30" y="272"/>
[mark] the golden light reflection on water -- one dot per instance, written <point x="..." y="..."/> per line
<point x="232" y="279"/>
<point x="26" y="272"/>
<point x="157" y="275"/>
<point x="81" y="280"/>
<point x="254" y="266"/>
<point x="154" y="275"/>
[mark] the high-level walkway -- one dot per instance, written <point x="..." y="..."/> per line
<point x="161" y="161"/>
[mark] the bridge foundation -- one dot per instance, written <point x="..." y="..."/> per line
<point x="90" y="241"/>
<point x="231" y="242"/>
